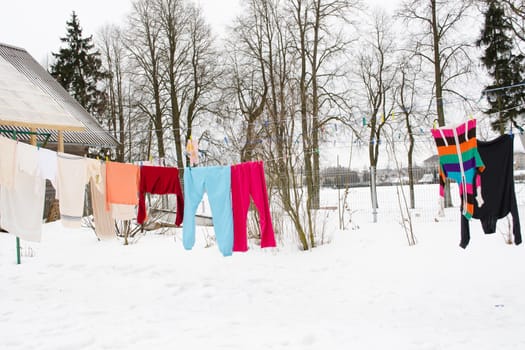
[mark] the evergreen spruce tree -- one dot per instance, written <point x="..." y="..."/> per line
<point x="504" y="66"/>
<point x="78" y="68"/>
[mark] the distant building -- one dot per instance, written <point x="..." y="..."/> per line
<point x="431" y="162"/>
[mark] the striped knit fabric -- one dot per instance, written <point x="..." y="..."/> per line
<point x="459" y="160"/>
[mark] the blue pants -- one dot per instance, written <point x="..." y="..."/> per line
<point x="216" y="182"/>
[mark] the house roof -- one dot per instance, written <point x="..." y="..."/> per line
<point x="69" y="111"/>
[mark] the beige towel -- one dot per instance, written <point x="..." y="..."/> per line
<point x="7" y="161"/>
<point x="104" y="224"/>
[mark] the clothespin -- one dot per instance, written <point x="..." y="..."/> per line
<point x="434" y="124"/>
<point x="470" y="117"/>
<point x="382" y="118"/>
<point x="107" y="159"/>
<point x="393" y="118"/>
<point x="364" y="121"/>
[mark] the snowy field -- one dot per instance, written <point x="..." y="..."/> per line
<point x="366" y="289"/>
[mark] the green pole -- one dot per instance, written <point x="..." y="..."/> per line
<point x="17" y="250"/>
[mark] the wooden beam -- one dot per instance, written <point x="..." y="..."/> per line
<point x="42" y="126"/>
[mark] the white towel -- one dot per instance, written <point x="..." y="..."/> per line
<point x="47" y="165"/>
<point x="72" y="178"/>
<point x="22" y="206"/>
<point x="27" y="158"/>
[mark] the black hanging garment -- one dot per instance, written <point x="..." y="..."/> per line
<point x="497" y="189"/>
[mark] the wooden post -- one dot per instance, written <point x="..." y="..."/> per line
<point x="60" y="147"/>
<point x="54" y="211"/>
<point x="33" y="137"/>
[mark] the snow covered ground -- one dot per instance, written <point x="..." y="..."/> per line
<point x="366" y="289"/>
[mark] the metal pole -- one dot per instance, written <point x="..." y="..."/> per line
<point x="17" y="238"/>
<point x="374" y="193"/>
<point x="18" y="250"/>
<point x="338" y="195"/>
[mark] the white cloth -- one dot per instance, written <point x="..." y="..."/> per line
<point x="72" y="177"/>
<point x="27" y="158"/>
<point x="47" y="165"/>
<point x="22" y="206"/>
<point x="7" y="161"/>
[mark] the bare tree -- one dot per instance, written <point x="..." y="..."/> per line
<point x="174" y="23"/>
<point x="203" y="74"/>
<point x="247" y="69"/>
<point x="377" y="71"/>
<point x="319" y="42"/>
<point x="407" y="93"/>
<point x="439" y="45"/>
<point x="114" y="56"/>
<point x="189" y="60"/>
<point x="143" y="36"/>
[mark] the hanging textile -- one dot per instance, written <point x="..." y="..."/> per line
<point x="122" y="183"/>
<point x="216" y="181"/>
<point x="247" y="179"/>
<point x="498" y="189"/>
<point x="104" y="224"/>
<point x="22" y="204"/>
<point x="459" y="160"/>
<point x="159" y="180"/>
<point x="47" y="165"/>
<point x="72" y="178"/>
<point x="192" y="148"/>
<point x="7" y="161"/>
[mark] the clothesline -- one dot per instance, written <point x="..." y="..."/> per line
<point x="117" y="188"/>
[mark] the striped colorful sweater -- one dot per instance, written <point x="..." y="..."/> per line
<point x="460" y="161"/>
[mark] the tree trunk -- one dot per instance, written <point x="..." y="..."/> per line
<point x="439" y="86"/>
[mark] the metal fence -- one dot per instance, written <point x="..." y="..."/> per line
<point x="344" y="189"/>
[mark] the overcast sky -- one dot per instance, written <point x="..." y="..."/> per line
<point x="37" y="25"/>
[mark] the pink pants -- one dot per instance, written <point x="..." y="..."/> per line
<point x="248" y="179"/>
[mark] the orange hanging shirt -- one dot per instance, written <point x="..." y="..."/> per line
<point x="122" y="183"/>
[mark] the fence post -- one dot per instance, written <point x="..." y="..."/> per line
<point x="374" y="192"/>
<point x="339" y="214"/>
